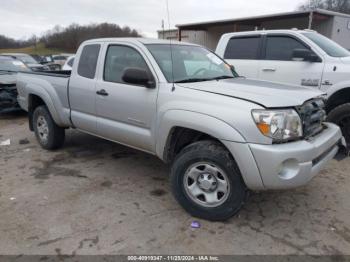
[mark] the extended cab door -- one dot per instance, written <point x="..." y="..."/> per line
<point x="279" y="65"/>
<point x="126" y="112"/>
<point x="82" y="93"/>
<point x="243" y="52"/>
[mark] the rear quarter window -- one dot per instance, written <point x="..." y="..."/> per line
<point x="88" y="61"/>
<point x="70" y="62"/>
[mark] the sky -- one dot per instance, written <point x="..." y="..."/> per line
<point x="20" y="19"/>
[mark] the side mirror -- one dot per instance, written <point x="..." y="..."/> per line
<point x="305" y="55"/>
<point x="138" y="76"/>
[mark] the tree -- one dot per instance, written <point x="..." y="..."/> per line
<point x="342" y="6"/>
<point x="71" y="37"/>
<point x="33" y="41"/>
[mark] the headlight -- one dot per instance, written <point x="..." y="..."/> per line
<point x="281" y="125"/>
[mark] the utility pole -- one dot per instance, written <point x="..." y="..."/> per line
<point x="311" y="15"/>
<point x="163" y="29"/>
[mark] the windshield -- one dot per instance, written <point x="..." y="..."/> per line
<point x="329" y="46"/>
<point x="12" y="65"/>
<point x="27" y="59"/>
<point x="190" y="63"/>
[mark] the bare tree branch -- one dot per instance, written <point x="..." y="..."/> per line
<point x="342" y="6"/>
<point x="71" y="37"/>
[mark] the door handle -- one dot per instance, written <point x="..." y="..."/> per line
<point x="102" y="92"/>
<point x="269" y="69"/>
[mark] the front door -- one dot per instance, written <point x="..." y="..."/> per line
<point x="125" y="113"/>
<point x="278" y="64"/>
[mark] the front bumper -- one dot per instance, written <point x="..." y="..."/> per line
<point x="289" y="165"/>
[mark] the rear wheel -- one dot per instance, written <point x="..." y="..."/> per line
<point x="341" y="116"/>
<point x="49" y="135"/>
<point x="207" y="182"/>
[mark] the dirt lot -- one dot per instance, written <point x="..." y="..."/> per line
<point x="96" y="197"/>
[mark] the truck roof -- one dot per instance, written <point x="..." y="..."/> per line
<point x="138" y="40"/>
<point x="293" y="31"/>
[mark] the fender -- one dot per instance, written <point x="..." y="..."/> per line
<point x="204" y="123"/>
<point x="337" y="87"/>
<point x="338" y="94"/>
<point x="38" y="90"/>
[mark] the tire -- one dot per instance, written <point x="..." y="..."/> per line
<point x="341" y="116"/>
<point x="49" y="135"/>
<point x="202" y="159"/>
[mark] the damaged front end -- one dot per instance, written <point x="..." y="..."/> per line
<point x="8" y="99"/>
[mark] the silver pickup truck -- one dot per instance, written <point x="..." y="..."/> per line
<point x="221" y="133"/>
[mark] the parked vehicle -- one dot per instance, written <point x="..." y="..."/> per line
<point x="28" y="60"/>
<point x="298" y="57"/>
<point x="69" y="63"/>
<point x="47" y="61"/>
<point x="8" y="91"/>
<point x="39" y="59"/>
<point x="60" y="59"/>
<point x="221" y="133"/>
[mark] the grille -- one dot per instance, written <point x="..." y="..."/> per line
<point x="312" y="115"/>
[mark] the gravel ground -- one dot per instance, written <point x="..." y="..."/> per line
<point x="97" y="197"/>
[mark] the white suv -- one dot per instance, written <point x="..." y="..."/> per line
<point x="297" y="57"/>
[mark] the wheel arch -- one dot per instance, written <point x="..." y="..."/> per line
<point x="177" y="129"/>
<point x="35" y="100"/>
<point x="338" y="97"/>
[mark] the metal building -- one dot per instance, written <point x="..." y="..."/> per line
<point x="334" y="25"/>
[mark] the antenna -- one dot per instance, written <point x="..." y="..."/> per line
<point x="171" y="47"/>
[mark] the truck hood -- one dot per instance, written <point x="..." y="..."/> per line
<point x="264" y="93"/>
<point x="345" y="60"/>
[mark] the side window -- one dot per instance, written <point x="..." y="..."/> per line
<point x="243" y="48"/>
<point x="88" y="61"/>
<point x="281" y="48"/>
<point x="119" y="58"/>
<point x="59" y="57"/>
<point x="70" y="62"/>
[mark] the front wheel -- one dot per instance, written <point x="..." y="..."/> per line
<point x="341" y="117"/>
<point x="206" y="181"/>
<point x="47" y="132"/>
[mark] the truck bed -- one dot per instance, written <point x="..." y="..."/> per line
<point x="52" y="86"/>
<point x="62" y="73"/>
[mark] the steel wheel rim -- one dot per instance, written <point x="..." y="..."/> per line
<point x="42" y="128"/>
<point x="206" y="184"/>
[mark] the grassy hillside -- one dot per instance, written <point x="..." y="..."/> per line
<point x="39" y="50"/>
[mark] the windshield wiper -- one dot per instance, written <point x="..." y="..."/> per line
<point x="190" y="80"/>
<point x="221" y="77"/>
